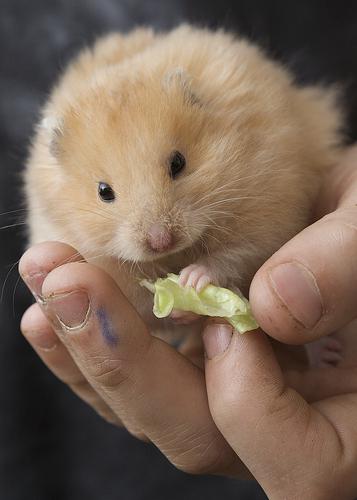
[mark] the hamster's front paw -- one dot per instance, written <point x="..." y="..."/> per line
<point x="198" y="276"/>
<point x="325" y="352"/>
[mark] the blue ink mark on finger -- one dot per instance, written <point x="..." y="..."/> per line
<point x="106" y="328"/>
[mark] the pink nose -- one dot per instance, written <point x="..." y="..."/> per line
<point x="159" y="238"/>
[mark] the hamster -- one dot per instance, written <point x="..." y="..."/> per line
<point x="188" y="151"/>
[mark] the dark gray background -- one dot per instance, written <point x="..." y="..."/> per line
<point x="51" y="445"/>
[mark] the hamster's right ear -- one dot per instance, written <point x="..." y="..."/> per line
<point x="54" y="131"/>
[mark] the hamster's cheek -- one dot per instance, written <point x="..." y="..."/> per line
<point x="127" y="244"/>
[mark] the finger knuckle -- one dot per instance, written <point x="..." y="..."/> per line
<point x="206" y="458"/>
<point x="282" y="408"/>
<point x="108" y="372"/>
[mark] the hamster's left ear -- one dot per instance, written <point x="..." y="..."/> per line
<point x="54" y="128"/>
<point x="179" y="78"/>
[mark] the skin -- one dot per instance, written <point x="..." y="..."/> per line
<point x="299" y="436"/>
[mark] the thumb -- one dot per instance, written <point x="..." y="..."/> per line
<point x="266" y="423"/>
<point x="308" y="288"/>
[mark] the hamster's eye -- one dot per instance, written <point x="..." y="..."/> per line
<point x="177" y="163"/>
<point x="105" y="192"/>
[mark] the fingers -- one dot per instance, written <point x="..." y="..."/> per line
<point x="274" y="430"/>
<point x="145" y="382"/>
<point x="308" y="288"/>
<point x="39" y="333"/>
<point x="53" y="353"/>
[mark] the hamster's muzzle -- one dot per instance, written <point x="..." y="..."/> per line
<point x="159" y="238"/>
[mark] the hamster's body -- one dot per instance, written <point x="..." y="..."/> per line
<point x="254" y="147"/>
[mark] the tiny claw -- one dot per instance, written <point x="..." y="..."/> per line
<point x="196" y="276"/>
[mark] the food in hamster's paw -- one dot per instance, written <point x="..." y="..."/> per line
<point x="198" y="276"/>
<point x="211" y="301"/>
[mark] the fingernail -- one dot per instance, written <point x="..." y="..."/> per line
<point x="216" y="339"/>
<point x="296" y="287"/>
<point x="71" y="309"/>
<point x="34" y="282"/>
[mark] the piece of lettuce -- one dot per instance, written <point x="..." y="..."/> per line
<point x="211" y="301"/>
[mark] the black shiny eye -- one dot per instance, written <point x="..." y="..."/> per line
<point x="177" y="163"/>
<point x="105" y="192"/>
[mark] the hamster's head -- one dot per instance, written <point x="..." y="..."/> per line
<point x="145" y="168"/>
<point x="136" y="167"/>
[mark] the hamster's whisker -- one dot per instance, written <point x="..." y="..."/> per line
<point x="93" y="212"/>
<point x="226" y="188"/>
<point x="12" y="266"/>
<point x="237" y="188"/>
<point x="230" y="200"/>
<point x="70" y="259"/>
<point x="142" y="271"/>
<point x="227" y="215"/>
<point x="266" y="171"/>
<point x="132" y="266"/>
<point x="213" y="193"/>
<point x="209" y="235"/>
<point x="10" y="212"/>
<point x="14" y="293"/>
<point x="226" y="200"/>
<point x="9" y="226"/>
<point x="204" y="244"/>
<point x="220" y="228"/>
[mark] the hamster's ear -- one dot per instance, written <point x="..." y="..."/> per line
<point x="54" y="131"/>
<point x="180" y="79"/>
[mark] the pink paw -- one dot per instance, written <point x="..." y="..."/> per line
<point x="183" y="317"/>
<point x="325" y="352"/>
<point x="197" y="276"/>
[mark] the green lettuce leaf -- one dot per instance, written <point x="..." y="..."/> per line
<point x="211" y="301"/>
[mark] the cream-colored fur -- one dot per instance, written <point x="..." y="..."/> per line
<point x="255" y="144"/>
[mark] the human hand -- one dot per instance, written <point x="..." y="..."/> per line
<point x="181" y="427"/>
<point x="133" y="379"/>
<point x="107" y="357"/>
<point x="294" y="449"/>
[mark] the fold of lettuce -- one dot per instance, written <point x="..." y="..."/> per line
<point x="211" y="301"/>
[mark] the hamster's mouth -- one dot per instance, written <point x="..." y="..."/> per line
<point x="157" y="245"/>
<point x="160" y="242"/>
<point x="153" y="255"/>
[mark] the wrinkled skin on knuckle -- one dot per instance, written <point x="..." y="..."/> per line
<point x="197" y="453"/>
<point x="205" y="463"/>
<point x="280" y="407"/>
<point x="107" y="372"/>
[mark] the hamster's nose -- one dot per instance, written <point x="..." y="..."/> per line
<point x="159" y="238"/>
